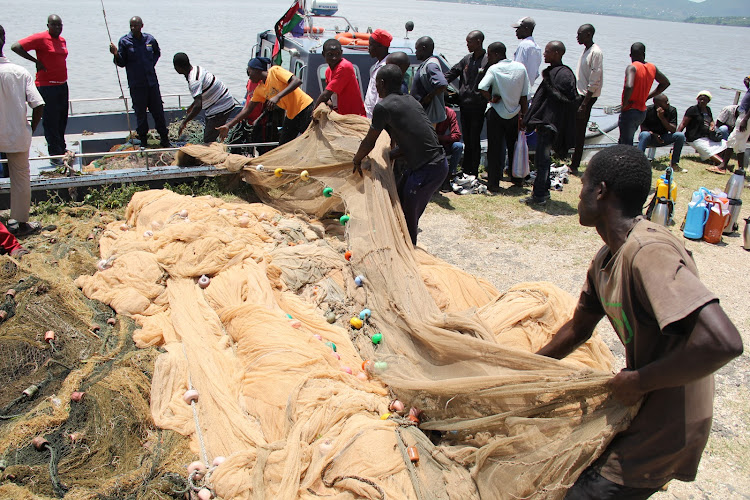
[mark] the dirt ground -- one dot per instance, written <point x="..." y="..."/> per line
<point x="511" y="243"/>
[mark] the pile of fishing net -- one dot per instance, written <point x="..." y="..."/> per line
<point x="277" y="336"/>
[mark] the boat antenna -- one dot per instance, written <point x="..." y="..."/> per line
<point x="119" y="82"/>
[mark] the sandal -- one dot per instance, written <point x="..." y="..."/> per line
<point x="717" y="170"/>
<point x="28" y="228"/>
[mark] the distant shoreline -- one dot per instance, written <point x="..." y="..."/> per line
<point x="738" y="21"/>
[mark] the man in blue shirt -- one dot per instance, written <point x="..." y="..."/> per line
<point x="138" y="53"/>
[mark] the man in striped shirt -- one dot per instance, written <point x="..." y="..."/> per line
<point x="209" y="94"/>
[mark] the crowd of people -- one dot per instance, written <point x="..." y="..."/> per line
<point x="674" y="331"/>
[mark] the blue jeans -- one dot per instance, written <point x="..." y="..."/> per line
<point x="453" y="152"/>
<point x="629" y="122"/>
<point x="646" y="140"/>
<point x="542" y="162"/>
<point x="415" y="190"/>
<point x="724" y="131"/>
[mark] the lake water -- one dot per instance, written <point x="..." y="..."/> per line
<point x="219" y="35"/>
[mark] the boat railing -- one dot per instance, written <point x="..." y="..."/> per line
<point x="72" y="111"/>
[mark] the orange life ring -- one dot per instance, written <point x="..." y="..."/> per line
<point x="362" y="36"/>
<point x="317" y="30"/>
<point x="345" y="40"/>
<point x="359" y="41"/>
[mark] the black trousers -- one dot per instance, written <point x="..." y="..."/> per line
<point x="295" y="126"/>
<point x="149" y="98"/>
<point x="592" y="486"/>
<point x="55" y="116"/>
<point x="581" y="124"/>
<point x="471" y="130"/>
<point x="502" y="135"/>
<point x="210" y="134"/>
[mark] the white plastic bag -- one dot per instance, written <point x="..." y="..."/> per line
<point x="521" y="157"/>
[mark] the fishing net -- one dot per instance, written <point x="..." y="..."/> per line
<point x="256" y="307"/>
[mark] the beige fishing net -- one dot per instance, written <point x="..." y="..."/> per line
<point x="232" y="299"/>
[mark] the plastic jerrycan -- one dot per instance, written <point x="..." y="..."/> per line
<point x="718" y="218"/>
<point x="661" y="189"/>
<point x="695" y="221"/>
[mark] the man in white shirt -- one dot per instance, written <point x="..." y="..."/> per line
<point x="380" y="41"/>
<point x="506" y="86"/>
<point x="16" y="89"/>
<point x="528" y="52"/>
<point x="209" y="94"/>
<point x="590" y="76"/>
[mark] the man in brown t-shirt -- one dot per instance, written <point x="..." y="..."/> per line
<point x="674" y="331"/>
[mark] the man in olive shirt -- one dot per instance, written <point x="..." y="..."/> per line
<point x="659" y="128"/>
<point x="675" y="333"/>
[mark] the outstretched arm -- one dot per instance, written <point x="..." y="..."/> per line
<point x="325" y="96"/>
<point x="193" y="111"/>
<point x="368" y="143"/>
<point x="713" y="342"/>
<point x="572" y="334"/>
<point x="246" y="110"/>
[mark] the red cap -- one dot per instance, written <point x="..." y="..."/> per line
<point x="382" y="37"/>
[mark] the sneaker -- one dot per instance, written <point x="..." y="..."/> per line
<point x="27" y="228"/>
<point x="533" y="200"/>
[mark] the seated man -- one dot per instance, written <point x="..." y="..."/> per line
<point x="727" y="119"/>
<point x="275" y="87"/>
<point x="700" y="130"/>
<point x="406" y="122"/>
<point x="675" y="334"/>
<point x="449" y="135"/>
<point x="342" y="81"/>
<point x="659" y="128"/>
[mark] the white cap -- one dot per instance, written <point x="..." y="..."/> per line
<point x="524" y="21"/>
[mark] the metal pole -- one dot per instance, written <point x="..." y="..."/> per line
<point x="117" y="70"/>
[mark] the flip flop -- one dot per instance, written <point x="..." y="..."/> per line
<point x="717" y="170"/>
<point x="28" y="228"/>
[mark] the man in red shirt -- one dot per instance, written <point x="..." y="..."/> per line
<point x="342" y="81"/>
<point x="51" y="80"/>
<point x="639" y="77"/>
<point x="449" y="135"/>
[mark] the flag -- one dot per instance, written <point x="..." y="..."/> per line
<point x="284" y="25"/>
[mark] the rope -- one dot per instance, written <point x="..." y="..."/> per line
<point x="195" y="415"/>
<point x="409" y="465"/>
<point x="331" y="483"/>
<point x="58" y="488"/>
<point x="119" y="82"/>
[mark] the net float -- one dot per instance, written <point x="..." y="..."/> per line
<point x="156" y="225"/>
<point x="317" y="337"/>
<point x="348" y="255"/>
<point x="377" y="338"/>
<point x="111" y="321"/>
<point x="10" y="293"/>
<point x="102" y="265"/>
<point x="39" y="443"/>
<point x="30" y="390"/>
<point x="3" y="315"/>
<point x="337" y="356"/>
<point x="204" y="281"/>
<point x="243" y="221"/>
<point x="385" y="416"/>
<point x="304" y="175"/>
<point x="365" y="314"/>
<point x="325" y="446"/>
<point x="278" y="172"/>
<point x="331" y="345"/>
<point x="77" y="396"/>
<point x="260" y="168"/>
<point x="124" y="227"/>
<point x="147" y="234"/>
<point x="95" y="328"/>
<point x="218" y="461"/>
<point x="356" y="323"/>
<point x="205" y="494"/>
<point x="396" y="406"/>
<point x="3" y="465"/>
<point x="190" y="396"/>
<point x="295" y="323"/>
<point x="328" y="192"/>
<point x="197" y="470"/>
<point x="413" y="454"/>
<point x="363" y="376"/>
<point x="289" y="316"/>
<point x="359" y="280"/>
<point x="346" y="369"/>
<point x="183" y="213"/>
<point x="344" y="219"/>
<point x="331" y="317"/>
<point x="75" y="437"/>
<point x="381" y="366"/>
<point x="90" y="236"/>
<point x="49" y="336"/>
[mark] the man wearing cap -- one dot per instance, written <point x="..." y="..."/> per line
<point x="380" y="40"/>
<point x="472" y="103"/>
<point x="528" y="52"/>
<point x="589" y="77"/>
<point x="51" y="80"/>
<point x="700" y="130"/>
<point x="639" y="77"/>
<point x="276" y="87"/>
<point x="342" y="81"/>
<point x="138" y="53"/>
<point x="16" y="90"/>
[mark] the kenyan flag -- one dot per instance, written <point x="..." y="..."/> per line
<point x="284" y="25"/>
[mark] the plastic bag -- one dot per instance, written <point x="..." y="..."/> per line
<point x="521" y="157"/>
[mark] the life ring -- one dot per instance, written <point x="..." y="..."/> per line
<point x="360" y="41"/>
<point x="345" y="40"/>
<point x="316" y="30"/>
<point x="362" y="36"/>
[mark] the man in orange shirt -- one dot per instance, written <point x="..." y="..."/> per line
<point x="639" y="77"/>
<point x="276" y="87"/>
<point x="51" y="80"/>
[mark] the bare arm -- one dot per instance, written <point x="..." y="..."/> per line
<point x="491" y="98"/>
<point x="683" y="123"/>
<point x="524" y="108"/>
<point x="36" y="116"/>
<point x="291" y="85"/>
<point x="16" y="47"/>
<point x="663" y="84"/>
<point x="713" y="342"/>
<point x="193" y="111"/>
<point x="247" y="109"/>
<point x="572" y="334"/>
<point x="671" y="127"/>
<point x="627" y="90"/>
<point x="325" y="96"/>
<point x="368" y="143"/>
